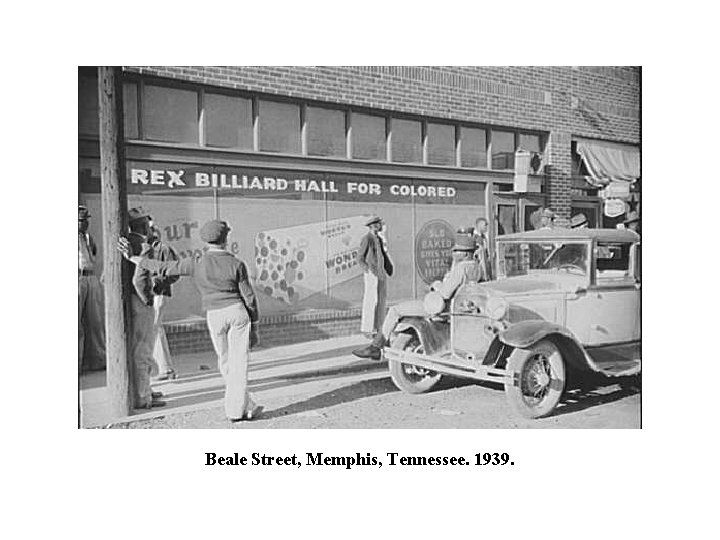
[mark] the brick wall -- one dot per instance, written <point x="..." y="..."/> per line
<point x="601" y="102"/>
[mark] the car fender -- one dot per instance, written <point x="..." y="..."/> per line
<point x="434" y="335"/>
<point x="525" y="334"/>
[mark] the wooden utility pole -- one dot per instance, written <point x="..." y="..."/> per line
<point x="114" y="216"/>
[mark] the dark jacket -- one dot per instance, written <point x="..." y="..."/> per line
<point x="162" y="285"/>
<point x="372" y="255"/>
<point x="221" y="278"/>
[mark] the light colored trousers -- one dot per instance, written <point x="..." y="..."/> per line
<point x="161" y="350"/>
<point x="141" y="349"/>
<point x="373" y="308"/>
<point x="411" y="308"/>
<point x="91" y="326"/>
<point x="230" y="333"/>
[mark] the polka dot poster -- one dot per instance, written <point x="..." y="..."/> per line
<point x="296" y="262"/>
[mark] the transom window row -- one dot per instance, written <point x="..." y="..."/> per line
<point x="156" y="112"/>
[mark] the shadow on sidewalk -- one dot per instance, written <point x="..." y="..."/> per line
<point x="345" y="394"/>
<point x="215" y="392"/>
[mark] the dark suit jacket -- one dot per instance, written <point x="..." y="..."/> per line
<point x="372" y="254"/>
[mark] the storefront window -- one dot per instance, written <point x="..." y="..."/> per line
<point x="228" y="121"/>
<point x="325" y="132"/>
<point x="406" y="141"/>
<point x="170" y="114"/>
<point x="474" y="148"/>
<point x="503" y="150"/>
<point x="528" y="142"/>
<point x="130" y="108"/>
<point x="279" y="127"/>
<point x="87" y="106"/>
<point x="368" y="137"/>
<point x="441" y="144"/>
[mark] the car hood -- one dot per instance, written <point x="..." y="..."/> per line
<point x="547" y="283"/>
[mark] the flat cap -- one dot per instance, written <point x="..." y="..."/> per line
<point x="214" y="232"/>
<point x="373" y="219"/>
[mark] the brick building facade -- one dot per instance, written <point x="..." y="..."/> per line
<point x="401" y="131"/>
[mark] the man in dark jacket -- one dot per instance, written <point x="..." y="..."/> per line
<point x="377" y="267"/>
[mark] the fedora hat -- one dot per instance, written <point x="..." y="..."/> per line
<point x="373" y="219"/>
<point x="137" y="213"/>
<point x="578" y="221"/>
<point x="83" y="213"/>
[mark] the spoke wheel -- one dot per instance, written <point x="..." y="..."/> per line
<point x="540" y="379"/>
<point x="408" y="377"/>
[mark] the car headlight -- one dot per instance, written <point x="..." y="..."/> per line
<point x="496" y="307"/>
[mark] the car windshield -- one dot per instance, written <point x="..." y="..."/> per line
<point x="526" y="258"/>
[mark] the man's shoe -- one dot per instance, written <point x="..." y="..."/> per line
<point x="371" y="351"/>
<point x="152" y="405"/>
<point x="168" y="375"/>
<point x="156" y="395"/>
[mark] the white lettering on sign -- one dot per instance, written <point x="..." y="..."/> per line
<point x="175" y="178"/>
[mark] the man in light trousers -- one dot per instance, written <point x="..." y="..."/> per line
<point x="377" y="267"/>
<point x="231" y="307"/>
<point x="91" y="329"/>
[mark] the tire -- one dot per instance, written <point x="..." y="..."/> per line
<point x="409" y="378"/>
<point x="541" y="372"/>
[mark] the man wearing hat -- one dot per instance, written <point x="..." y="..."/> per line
<point x="231" y="307"/>
<point x="482" y="254"/>
<point x="91" y="326"/>
<point x="377" y="267"/>
<point x="546" y="219"/>
<point x="143" y="313"/>
<point x="465" y="268"/>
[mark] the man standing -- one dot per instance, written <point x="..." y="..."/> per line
<point x="377" y="267"/>
<point x="162" y="290"/>
<point x="91" y="326"/>
<point x="464" y="269"/>
<point x="483" y="255"/>
<point x="143" y="314"/>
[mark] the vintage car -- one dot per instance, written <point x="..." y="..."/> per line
<point x="565" y="299"/>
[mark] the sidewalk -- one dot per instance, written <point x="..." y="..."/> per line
<point x="199" y="384"/>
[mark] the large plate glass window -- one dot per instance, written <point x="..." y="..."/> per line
<point x="170" y="114"/>
<point x="473" y="148"/>
<point x="503" y="150"/>
<point x="279" y="127"/>
<point x="130" y="110"/>
<point x="228" y="121"/>
<point x="529" y="142"/>
<point x="441" y="144"/>
<point x="406" y="141"/>
<point x="368" y="137"/>
<point x="325" y="132"/>
<point x="87" y="106"/>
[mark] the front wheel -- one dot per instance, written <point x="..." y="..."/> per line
<point x="540" y="379"/>
<point x="407" y="377"/>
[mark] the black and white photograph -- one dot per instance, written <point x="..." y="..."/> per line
<point x="354" y="247"/>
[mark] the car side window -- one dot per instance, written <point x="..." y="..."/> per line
<point x="612" y="262"/>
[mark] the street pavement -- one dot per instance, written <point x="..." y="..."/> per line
<point x="322" y="385"/>
<point x="199" y="386"/>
